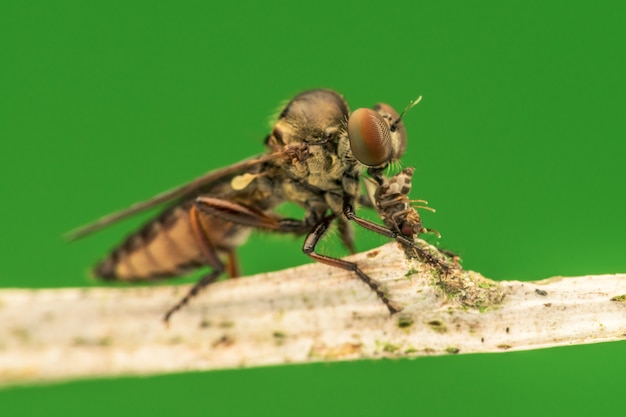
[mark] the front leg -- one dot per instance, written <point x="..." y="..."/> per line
<point x="310" y="244"/>
<point x="348" y="211"/>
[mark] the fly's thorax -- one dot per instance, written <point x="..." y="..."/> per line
<point x="329" y="172"/>
<point x="315" y="175"/>
<point x="316" y="111"/>
<point x="325" y="168"/>
<point x="298" y="192"/>
<point x="313" y="116"/>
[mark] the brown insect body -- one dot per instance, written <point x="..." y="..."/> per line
<point x="309" y="162"/>
<point x="167" y="246"/>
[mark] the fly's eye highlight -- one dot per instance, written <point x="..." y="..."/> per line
<point x="370" y="137"/>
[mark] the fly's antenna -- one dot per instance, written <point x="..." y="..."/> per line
<point x="412" y="104"/>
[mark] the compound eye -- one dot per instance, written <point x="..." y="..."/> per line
<point x="397" y="127"/>
<point x="370" y="137"/>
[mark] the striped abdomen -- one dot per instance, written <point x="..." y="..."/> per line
<point x="166" y="247"/>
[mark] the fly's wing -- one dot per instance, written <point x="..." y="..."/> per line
<point x="199" y="185"/>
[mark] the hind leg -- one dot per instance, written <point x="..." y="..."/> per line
<point x="237" y="214"/>
<point x="211" y="257"/>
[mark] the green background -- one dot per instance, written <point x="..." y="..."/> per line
<point x="519" y="144"/>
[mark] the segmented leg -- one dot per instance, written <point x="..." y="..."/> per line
<point x="246" y="216"/>
<point x="240" y="215"/>
<point x="309" y="248"/>
<point x="400" y="238"/>
<point x="346" y="234"/>
<point x="211" y="257"/>
<point x="232" y="266"/>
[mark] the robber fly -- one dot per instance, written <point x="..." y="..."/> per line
<point x="315" y="156"/>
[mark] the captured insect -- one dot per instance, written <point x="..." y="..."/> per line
<point x="391" y="201"/>
<point x="315" y="156"/>
<point x="390" y="198"/>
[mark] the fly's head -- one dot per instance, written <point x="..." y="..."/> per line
<point x="377" y="136"/>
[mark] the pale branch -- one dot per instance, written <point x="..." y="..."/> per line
<point x="304" y="314"/>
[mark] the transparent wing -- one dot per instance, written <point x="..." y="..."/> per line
<point x="193" y="187"/>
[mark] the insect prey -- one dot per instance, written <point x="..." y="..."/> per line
<point x="391" y="200"/>
<point x="315" y="156"/>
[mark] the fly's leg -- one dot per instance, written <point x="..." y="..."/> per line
<point x="455" y="257"/>
<point x="232" y="267"/>
<point x="346" y="234"/>
<point x="210" y="255"/>
<point x="400" y="238"/>
<point x="246" y="216"/>
<point x="365" y="201"/>
<point x="237" y="214"/>
<point x="309" y="248"/>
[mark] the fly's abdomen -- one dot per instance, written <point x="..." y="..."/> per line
<point x="164" y="247"/>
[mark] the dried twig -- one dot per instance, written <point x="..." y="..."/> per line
<point x="304" y="314"/>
